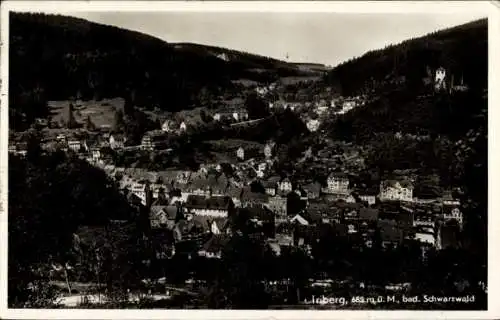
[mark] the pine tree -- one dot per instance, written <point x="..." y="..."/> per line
<point x="118" y="122"/>
<point x="71" y="122"/>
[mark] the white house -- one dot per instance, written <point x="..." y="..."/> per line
<point x="313" y="125"/>
<point x="96" y="154"/>
<point x="338" y="183"/>
<point x="439" y="80"/>
<point x="426" y="236"/>
<point x="452" y="213"/>
<point x="213" y="206"/>
<point x="370" y="199"/>
<point x="285" y="185"/>
<point x="182" y="127"/>
<point x="117" y="141"/>
<point x="269" y="150"/>
<point x="139" y="189"/>
<point x="74" y="145"/>
<point x="396" y="190"/>
<point x="300" y="220"/>
<point x="167" y="126"/>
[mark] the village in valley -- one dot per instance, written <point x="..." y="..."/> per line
<point x="251" y="194"/>
<point x="197" y="208"/>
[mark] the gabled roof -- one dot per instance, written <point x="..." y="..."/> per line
<point x="269" y="184"/>
<point x="338" y="175"/>
<point x="170" y="211"/>
<point x="133" y="198"/>
<point x="234" y="191"/>
<point x="212" y="203"/>
<point x="301" y="220"/>
<point x="449" y="236"/>
<point x="391" y="183"/>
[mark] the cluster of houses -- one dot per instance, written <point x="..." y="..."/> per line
<point x="202" y="206"/>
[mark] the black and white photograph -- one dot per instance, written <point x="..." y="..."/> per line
<point x="277" y="159"/>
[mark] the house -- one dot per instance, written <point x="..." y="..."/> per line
<point x="240" y="153"/>
<point x="426" y="236"/>
<point x="439" y="80"/>
<point x="368" y="195"/>
<point x="424" y="220"/>
<point x="299" y="220"/>
<point x="285" y="185"/>
<point x="209" y="224"/>
<point x="234" y="192"/>
<point x="269" y="150"/>
<point x="117" y="141"/>
<point x="96" y="154"/>
<point x="182" y="127"/>
<point x="350" y="199"/>
<point x="278" y="205"/>
<point x="139" y="189"/>
<point x="75" y="145"/>
<point x="270" y="187"/>
<point x="449" y="200"/>
<point x="212" y="206"/>
<point x="41" y="122"/>
<point x="20" y="148"/>
<point x="167" y="126"/>
<point x="198" y="187"/>
<point x="390" y="233"/>
<point x="313" y="190"/>
<point x="396" y="190"/>
<point x="313" y="125"/>
<point x="338" y="183"/>
<point x="153" y="140"/>
<point x="163" y="216"/>
<point x="260" y="215"/>
<point x="451" y="212"/>
<point x="213" y="248"/>
<point x="183" y="177"/>
<point x="61" y="138"/>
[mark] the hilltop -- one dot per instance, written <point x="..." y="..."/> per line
<point x="73" y="58"/>
<point x="253" y="65"/>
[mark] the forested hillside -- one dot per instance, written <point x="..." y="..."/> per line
<point x="55" y="57"/>
<point x="399" y="80"/>
<point x="461" y="50"/>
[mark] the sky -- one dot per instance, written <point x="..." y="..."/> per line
<point x="327" y="38"/>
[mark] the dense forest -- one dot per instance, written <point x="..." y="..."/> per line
<point x="55" y="57"/>
<point x="50" y="196"/>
